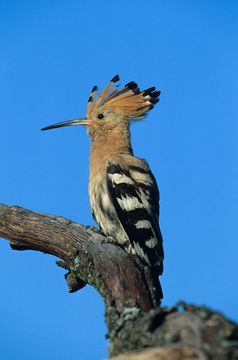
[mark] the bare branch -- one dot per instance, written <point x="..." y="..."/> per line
<point x="105" y="266"/>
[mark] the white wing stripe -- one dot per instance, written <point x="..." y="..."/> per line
<point x="143" y="224"/>
<point x="129" y="203"/>
<point x="151" y="243"/>
<point x="120" y="179"/>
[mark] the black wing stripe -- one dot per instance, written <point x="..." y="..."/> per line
<point x="115" y="169"/>
<point x="122" y="190"/>
<point x="138" y="214"/>
<point x="143" y="233"/>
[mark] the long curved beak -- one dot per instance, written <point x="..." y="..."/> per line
<point x="67" y="123"/>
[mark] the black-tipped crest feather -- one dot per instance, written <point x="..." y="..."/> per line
<point x="130" y="101"/>
<point x="115" y="78"/>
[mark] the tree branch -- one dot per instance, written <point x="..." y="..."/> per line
<point x="133" y="316"/>
<point x="103" y="265"/>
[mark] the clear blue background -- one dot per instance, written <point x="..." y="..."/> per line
<point x="51" y="54"/>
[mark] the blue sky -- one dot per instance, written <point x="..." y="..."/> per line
<point x="51" y="54"/>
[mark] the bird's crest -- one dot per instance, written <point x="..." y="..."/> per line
<point x="128" y="101"/>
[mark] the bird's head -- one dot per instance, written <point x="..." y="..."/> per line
<point x="114" y="107"/>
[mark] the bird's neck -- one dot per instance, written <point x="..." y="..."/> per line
<point x="115" y="141"/>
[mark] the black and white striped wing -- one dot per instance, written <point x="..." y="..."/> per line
<point x="135" y="196"/>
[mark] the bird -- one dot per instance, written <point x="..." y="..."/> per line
<point x="123" y="192"/>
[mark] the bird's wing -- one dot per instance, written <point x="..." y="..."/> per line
<point x="135" y="196"/>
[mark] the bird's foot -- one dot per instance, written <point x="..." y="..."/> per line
<point x="93" y="228"/>
<point x="108" y="240"/>
<point x="112" y="240"/>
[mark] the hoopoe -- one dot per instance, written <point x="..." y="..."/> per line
<point x="123" y="192"/>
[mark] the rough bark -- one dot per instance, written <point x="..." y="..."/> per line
<point x="184" y="332"/>
<point x="135" y="320"/>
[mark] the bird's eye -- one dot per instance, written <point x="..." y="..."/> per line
<point x="100" y="116"/>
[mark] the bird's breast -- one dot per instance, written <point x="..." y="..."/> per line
<point x="103" y="209"/>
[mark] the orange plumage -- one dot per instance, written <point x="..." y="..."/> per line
<point x="128" y="102"/>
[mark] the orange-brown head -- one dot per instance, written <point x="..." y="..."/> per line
<point x="114" y="107"/>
